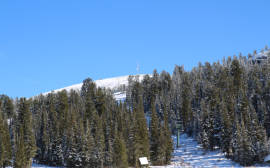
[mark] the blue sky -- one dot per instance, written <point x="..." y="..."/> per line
<point x="47" y="45"/>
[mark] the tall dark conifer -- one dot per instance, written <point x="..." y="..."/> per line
<point x="120" y="155"/>
<point x="168" y="141"/>
<point x="28" y="138"/>
<point x="154" y="135"/>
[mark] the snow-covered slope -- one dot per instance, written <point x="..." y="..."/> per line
<point x="112" y="83"/>
<point x="190" y="154"/>
<point x="261" y="56"/>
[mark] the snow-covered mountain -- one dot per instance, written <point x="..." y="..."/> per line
<point x="112" y="83"/>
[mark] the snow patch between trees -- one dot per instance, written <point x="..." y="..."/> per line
<point x="191" y="154"/>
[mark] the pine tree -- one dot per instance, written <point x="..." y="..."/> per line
<point x="90" y="143"/>
<point x="246" y="150"/>
<point x="168" y="141"/>
<point x="226" y="131"/>
<point x="2" y="152"/>
<point x="109" y="131"/>
<point x="8" y="107"/>
<point x="236" y="72"/>
<point x="140" y="140"/>
<point x="71" y="149"/>
<point x="120" y="155"/>
<point x="7" y="144"/>
<point x="142" y="131"/>
<point x="25" y="119"/>
<point x="2" y="147"/>
<point x="186" y="111"/>
<point x="42" y="140"/>
<point x="161" y="150"/>
<point x="265" y="116"/>
<point x="238" y="142"/>
<point x="100" y="144"/>
<point x="20" y="159"/>
<point x="205" y="140"/>
<point x="146" y="83"/>
<point x="154" y="135"/>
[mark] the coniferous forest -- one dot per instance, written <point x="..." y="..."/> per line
<point x="223" y="106"/>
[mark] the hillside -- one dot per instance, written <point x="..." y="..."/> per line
<point x="112" y="83"/>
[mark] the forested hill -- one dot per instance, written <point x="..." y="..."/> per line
<point x="224" y="105"/>
<point x="116" y="84"/>
<point x="80" y="128"/>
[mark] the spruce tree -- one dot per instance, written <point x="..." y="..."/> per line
<point x="100" y="144"/>
<point x="236" y="72"/>
<point x="154" y="135"/>
<point x="120" y="156"/>
<point x="168" y="141"/>
<point x="226" y="134"/>
<point x="25" y="120"/>
<point x="238" y="142"/>
<point x="90" y="144"/>
<point x="7" y="144"/>
<point x="2" y="148"/>
<point x="186" y="111"/>
<point x="143" y="131"/>
<point x="161" y="150"/>
<point x="246" y="150"/>
<point x="20" y="159"/>
<point x="141" y="137"/>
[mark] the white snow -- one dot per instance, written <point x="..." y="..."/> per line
<point x="191" y="154"/>
<point x="121" y="96"/>
<point x="262" y="55"/>
<point x="267" y="158"/>
<point x="112" y="83"/>
<point x="41" y="166"/>
<point x="34" y="165"/>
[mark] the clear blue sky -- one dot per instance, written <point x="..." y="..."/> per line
<point x="47" y="45"/>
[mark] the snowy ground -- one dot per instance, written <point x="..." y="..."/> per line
<point x="37" y="165"/>
<point x="120" y="96"/>
<point x="107" y="83"/>
<point x="190" y="154"/>
<point x="40" y="166"/>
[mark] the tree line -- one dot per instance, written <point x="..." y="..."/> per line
<point x="86" y="128"/>
<point x="223" y="105"/>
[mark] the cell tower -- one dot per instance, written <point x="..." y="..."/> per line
<point x="138" y="68"/>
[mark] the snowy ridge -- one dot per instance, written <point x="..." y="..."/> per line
<point x="262" y="55"/>
<point x="111" y="83"/>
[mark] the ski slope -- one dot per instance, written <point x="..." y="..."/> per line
<point x="112" y="83"/>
